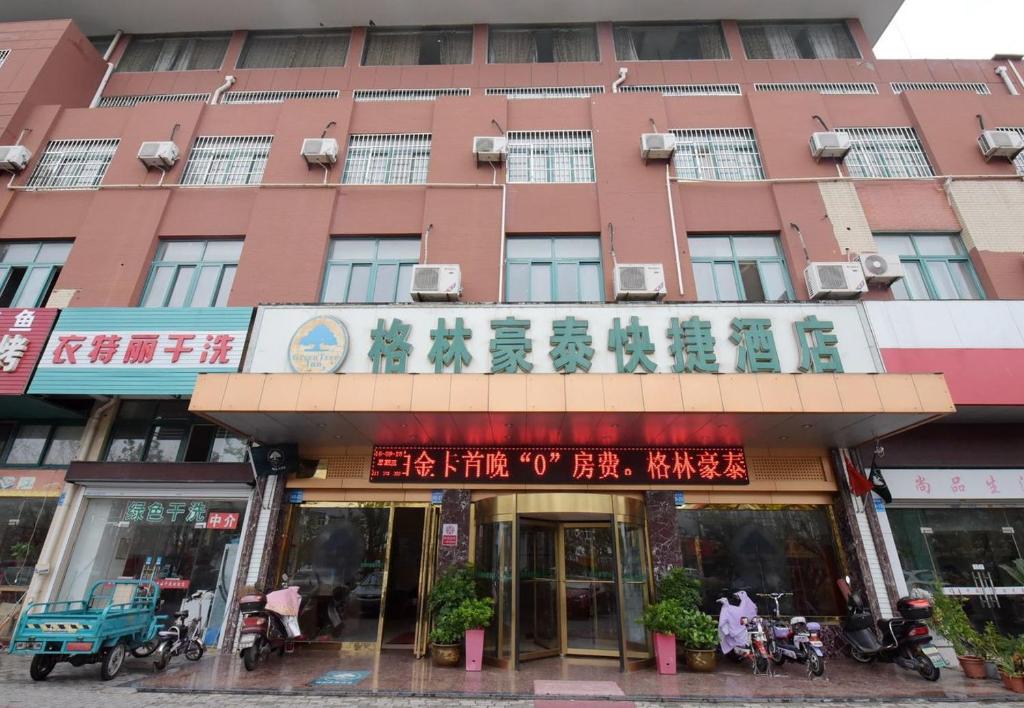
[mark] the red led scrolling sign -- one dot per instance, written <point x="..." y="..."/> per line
<point x="670" y="466"/>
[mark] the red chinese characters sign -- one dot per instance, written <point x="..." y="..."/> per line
<point x="23" y="334"/>
<point x="222" y="521"/>
<point x="669" y="466"/>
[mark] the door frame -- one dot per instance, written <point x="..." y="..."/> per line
<point x="520" y="656"/>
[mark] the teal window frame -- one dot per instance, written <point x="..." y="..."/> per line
<point x="50" y="268"/>
<point x="553" y="262"/>
<point x="222" y="267"/>
<point x="374" y="264"/>
<point x="923" y="263"/>
<point x="9" y="436"/>
<point x="735" y="260"/>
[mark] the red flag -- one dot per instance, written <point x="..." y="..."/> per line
<point x="859" y="484"/>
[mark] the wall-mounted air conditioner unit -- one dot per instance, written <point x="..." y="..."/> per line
<point x="657" y="146"/>
<point x="158" y="153"/>
<point x="436" y="282"/>
<point x="1000" y="143"/>
<point x="14" y="158"/>
<point x="320" y="151"/>
<point x="832" y="145"/>
<point x="881" y="269"/>
<point x="639" y="281"/>
<point x="490" y="149"/>
<point x="836" y="281"/>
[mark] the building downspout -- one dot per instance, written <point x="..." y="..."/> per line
<point x="672" y="223"/>
<point x="1013" y="68"/>
<point x="501" y="247"/>
<point x="623" y="72"/>
<point x="113" y="45"/>
<point x="229" y="81"/>
<point x="103" y="85"/>
<point x="1005" y="76"/>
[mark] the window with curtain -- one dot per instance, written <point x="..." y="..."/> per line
<point x="553" y="269"/>
<point x="174" y="53"/>
<point x="648" y="42"/>
<point x="729" y="154"/>
<point x="192" y="273"/>
<point x="370" y="269"/>
<point x="542" y="44"/>
<point x="885" y="153"/>
<point x="164" y="431"/>
<point x="431" y="45"/>
<point x="550" y="157"/>
<point x="293" y="50"/>
<point x="28" y="271"/>
<point x="936" y="267"/>
<point x="742" y="268"/>
<point x="30" y="444"/>
<point x="387" y="159"/>
<point x="798" y="40"/>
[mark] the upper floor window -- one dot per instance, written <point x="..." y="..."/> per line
<point x="4" y="53"/>
<point x="28" y="271"/>
<point x="73" y="164"/>
<point x="553" y="269"/>
<point x="553" y="156"/>
<point x="164" y="431"/>
<point x="293" y="50"/>
<point x="936" y="267"/>
<point x="174" y="53"/>
<point x="728" y="155"/>
<point x="660" y="42"/>
<point x="370" y="269"/>
<point x="1019" y="161"/>
<point x="740" y="269"/>
<point x="886" y="153"/>
<point x="432" y="45"/>
<point x="192" y="274"/>
<point x="227" y="160"/>
<point x="798" y="40"/>
<point x="541" y="44"/>
<point x="39" y="443"/>
<point x="387" y="159"/>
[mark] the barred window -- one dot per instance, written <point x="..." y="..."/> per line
<point x="694" y="40"/>
<point x="192" y="273"/>
<point x="428" y="46"/>
<point x="547" y="157"/>
<point x="293" y="50"/>
<point x="387" y="159"/>
<point x="174" y="53"/>
<point x="541" y="44"/>
<point x="798" y="40"/>
<point x="4" y="53"/>
<point x="1019" y="161"/>
<point x="726" y="155"/>
<point x="886" y="153"/>
<point x="370" y="269"/>
<point x="73" y="164"/>
<point x="225" y="160"/>
<point x="28" y="271"/>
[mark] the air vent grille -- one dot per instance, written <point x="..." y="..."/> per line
<point x="962" y="87"/>
<point x="685" y="89"/>
<point x="632" y="278"/>
<point x="426" y="279"/>
<point x="129" y="101"/>
<point x="830" y="89"/>
<point x="545" y="91"/>
<point x="275" y="96"/>
<point x="832" y="277"/>
<point x="372" y="95"/>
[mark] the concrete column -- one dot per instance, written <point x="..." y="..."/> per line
<point x="662" y="532"/>
<point x="455" y="504"/>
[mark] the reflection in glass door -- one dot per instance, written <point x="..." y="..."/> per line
<point x="538" y="590"/>
<point x="590" y="601"/>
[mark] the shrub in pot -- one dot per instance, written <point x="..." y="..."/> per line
<point x="451" y="589"/>
<point x="699" y="637"/>
<point x="682" y="585"/>
<point x="664" y="619"/>
<point x="473" y="616"/>
<point x="446" y="638"/>
<point x="952" y="622"/>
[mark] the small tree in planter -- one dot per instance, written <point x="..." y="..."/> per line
<point x="445" y="639"/>
<point x="699" y="637"/>
<point x="682" y="585"/>
<point x="473" y="616"/>
<point x="665" y="620"/>
<point x="952" y="622"/>
<point x="453" y="587"/>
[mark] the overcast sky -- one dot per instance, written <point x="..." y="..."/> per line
<point x="954" y="29"/>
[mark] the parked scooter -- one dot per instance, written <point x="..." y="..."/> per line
<point x="182" y="637"/>
<point x="269" y="623"/>
<point x="742" y="633"/>
<point x="798" y="641"/>
<point x="904" y="640"/>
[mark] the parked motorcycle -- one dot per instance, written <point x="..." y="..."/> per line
<point x="904" y="640"/>
<point x="742" y="633"/>
<point x="269" y="623"/>
<point x="798" y="641"/>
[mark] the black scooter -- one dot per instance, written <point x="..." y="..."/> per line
<point x="904" y="640"/>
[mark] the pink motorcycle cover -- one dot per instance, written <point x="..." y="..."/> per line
<point x="285" y="602"/>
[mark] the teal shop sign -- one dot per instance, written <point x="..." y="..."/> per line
<point x="140" y="351"/>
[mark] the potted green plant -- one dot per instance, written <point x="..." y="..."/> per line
<point x="473" y="616"/>
<point x="952" y="622"/>
<point x="452" y="588"/>
<point x="699" y="637"/>
<point x="445" y="639"/>
<point x="664" y="619"/>
<point x="682" y="585"/>
<point x="991" y="640"/>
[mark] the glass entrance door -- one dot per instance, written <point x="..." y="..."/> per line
<point x="539" y="601"/>
<point x="590" y="600"/>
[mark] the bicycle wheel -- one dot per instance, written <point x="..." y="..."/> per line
<point x="194" y="650"/>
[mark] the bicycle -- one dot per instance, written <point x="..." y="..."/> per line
<point x="180" y="638"/>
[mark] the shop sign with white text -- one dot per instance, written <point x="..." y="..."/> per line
<point x="23" y="333"/>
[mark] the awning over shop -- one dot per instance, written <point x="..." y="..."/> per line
<point x="324" y="411"/>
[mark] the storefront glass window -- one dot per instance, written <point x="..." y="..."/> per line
<point x="40" y="444"/>
<point x="764" y="550"/>
<point x="336" y="557"/>
<point x="164" y="431"/>
<point x="24" y="522"/>
<point x="185" y="545"/>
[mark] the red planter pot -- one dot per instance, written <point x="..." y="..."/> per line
<point x="973" y="667"/>
<point x="665" y="653"/>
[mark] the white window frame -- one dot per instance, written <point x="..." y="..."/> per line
<point x="551" y="157"/>
<point x="387" y="158"/>
<point x="227" y="160"/>
<point x="73" y="164"/>
<point x="723" y="155"/>
<point x="886" y="153"/>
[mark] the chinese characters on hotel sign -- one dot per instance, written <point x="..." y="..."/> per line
<point x="139" y="350"/>
<point x="671" y="466"/>
<point x="22" y="338"/>
<point x="571" y="339"/>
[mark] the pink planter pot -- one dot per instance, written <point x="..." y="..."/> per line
<point x="474" y="649"/>
<point x="665" y="653"/>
